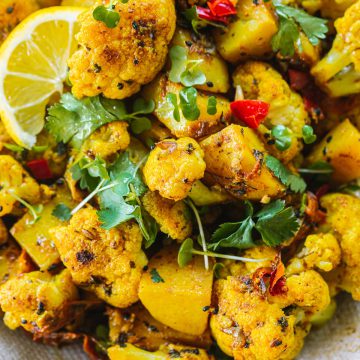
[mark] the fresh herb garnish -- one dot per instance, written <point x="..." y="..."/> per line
<point x="291" y="22"/>
<point x="308" y="134"/>
<point x="107" y="14"/>
<point x="274" y="222"/>
<point x="183" y="70"/>
<point x="212" y="105"/>
<point x="73" y="120"/>
<point x="187" y="251"/>
<point x="172" y="99"/>
<point x="62" y="212"/>
<point x="282" y="136"/>
<point x="317" y="168"/>
<point x="35" y="210"/>
<point x="155" y="277"/>
<point x="293" y="182"/>
<point x="188" y="103"/>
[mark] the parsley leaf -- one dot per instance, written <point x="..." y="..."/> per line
<point x="291" y="21"/>
<point x="62" y="212"/>
<point x="294" y="182"/>
<point x="276" y="223"/>
<point x="155" y="277"/>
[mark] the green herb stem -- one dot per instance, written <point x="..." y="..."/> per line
<point x="314" y="171"/>
<point x="223" y="256"/>
<point x="27" y="205"/>
<point x="201" y="232"/>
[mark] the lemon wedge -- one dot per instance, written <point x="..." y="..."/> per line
<point x="78" y="2"/>
<point x="33" y="67"/>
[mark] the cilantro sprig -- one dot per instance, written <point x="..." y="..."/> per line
<point x="73" y="120"/>
<point x="291" y="22"/>
<point x="274" y="222"/>
<point x="62" y="212"/>
<point x="183" y="70"/>
<point x="119" y="187"/>
<point x="293" y="182"/>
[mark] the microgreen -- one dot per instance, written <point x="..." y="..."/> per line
<point x="282" y="136"/>
<point x="188" y="103"/>
<point x="107" y="14"/>
<point x="308" y="134"/>
<point x="291" y="22"/>
<point x="35" y="210"/>
<point x="173" y="101"/>
<point x="62" y="212"/>
<point x="293" y="182"/>
<point x="317" y="168"/>
<point x="212" y="105"/>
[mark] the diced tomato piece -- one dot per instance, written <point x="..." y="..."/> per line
<point x="206" y="14"/>
<point x="222" y="7"/>
<point x="40" y="169"/>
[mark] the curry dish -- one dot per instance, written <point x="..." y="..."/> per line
<point x="178" y="179"/>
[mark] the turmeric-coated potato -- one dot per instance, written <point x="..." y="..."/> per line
<point x="116" y="61"/>
<point x="343" y="218"/>
<point x="341" y="149"/>
<point x="206" y="124"/>
<point x="34" y="237"/>
<point x="235" y="159"/>
<point x="250" y="34"/>
<point x="38" y="301"/>
<point x="173" y="166"/>
<point x="107" y="140"/>
<point x="176" y="296"/>
<point x="15" y="183"/>
<point x="211" y="63"/>
<point x="173" y="217"/>
<point x="168" y="352"/>
<point x="106" y="262"/>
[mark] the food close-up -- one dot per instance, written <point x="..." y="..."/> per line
<point x="179" y="179"/>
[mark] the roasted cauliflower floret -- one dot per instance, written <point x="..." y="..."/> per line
<point x="248" y="326"/>
<point x="106" y="262"/>
<point x="12" y="12"/>
<point x="173" y="166"/>
<point x="259" y="81"/>
<point x="107" y="140"/>
<point x="15" y="183"/>
<point x="342" y="217"/>
<point x="235" y="159"/>
<point x="173" y="217"/>
<point x="117" y="61"/>
<point x="338" y="73"/>
<point x="321" y="251"/>
<point x="38" y="301"/>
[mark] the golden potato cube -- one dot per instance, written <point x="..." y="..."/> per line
<point x="35" y="238"/>
<point x="340" y="148"/>
<point x="212" y="65"/>
<point x="250" y="35"/>
<point x="178" y="296"/>
<point x="205" y="125"/>
<point x="235" y="159"/>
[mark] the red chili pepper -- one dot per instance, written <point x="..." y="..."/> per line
<point x="40" y="169"/>
<point x="277" y="278"/>
<point x="251" y="112"/>
<point x="222" y="7"/>
<point x="206" y="14"/>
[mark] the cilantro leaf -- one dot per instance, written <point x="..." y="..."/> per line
<point x="62" y="212"/>
<point x="155" y="277"/>
<point x="73" y="120"/>
<point x="294" y="182"/>
<point x="291" y="20"/>
<point x="276" y="223"/>
<point x="235" y="235"/>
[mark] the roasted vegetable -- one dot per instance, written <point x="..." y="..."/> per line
<point x="205" y="124"/>
<point x="338" y="73"/>
<point x="176" y="296"/>
<point x="235" y="159"/>
<point x="250" y="34"/>
<point x="340" y="148"/>
<point x="173" y="166"/>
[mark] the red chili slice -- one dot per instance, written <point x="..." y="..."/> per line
<point x="251" y="112"/>
<point x="222" y="7"/>
<point x="206" y="14"/>
<point x="40" y="169"/>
